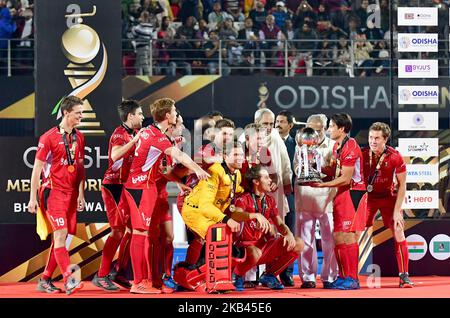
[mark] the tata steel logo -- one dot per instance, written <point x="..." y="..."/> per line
<point x="419" y="173"/>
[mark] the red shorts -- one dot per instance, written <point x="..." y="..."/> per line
<point x="61" y="209"/>
<point x="385" y="206"/>
<point x="161" y="213"/>
<point x="270" y="249"/>
<point x="141" y="203"/>
<point x="116" y="205"/>
<point x="348" y="214"/>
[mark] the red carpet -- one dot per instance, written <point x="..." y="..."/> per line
<point x="426" y="287"/>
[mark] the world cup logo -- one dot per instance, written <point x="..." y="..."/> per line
<point x="81" y="44"/>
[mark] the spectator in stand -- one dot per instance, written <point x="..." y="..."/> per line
<point x="207" y="7"/>
<point x="382" y="61"/>
<point x="259" y="14"/>
<point x="288" y="30"/>
<point x="281" y="14"/>
<point x="323" y="59"/>
<point x="202" y="32"/>
<point x="326" y="31"/>
<point x="216" y="18"/>
<point x="304" y="12"/>
<point x="363" y="60"/>
<point x="212" y="50"/>
<point x="342" y="57"/>
<point x="292" y="5"/>
<point x="332" y="5"/>
<point x="7" y="28"/>
<point x="166" y="35"/>
<point x="24" y="52"/>
<point x="353" y="27"/>
<point x="268" y="34"/>
<point x="143" y="33"/>
<point x="322" y="13"/>
<point x="305" y="48"/>
<point x="175" y="7"/>
<point x="362" y="13"/>
<point x="340" y="18"/>
<point x="230" y="5"/>
<point x="152" y="7"/>
<point x="187" y="28"/>
<point x="189" y="8"/>
<point x="179" y="55"/>
<point x="236" y="14"/>
<point x="248" y="38"/>
<point x="384" y="12"/>
<point x="228" y="34"/>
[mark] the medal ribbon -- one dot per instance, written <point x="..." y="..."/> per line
<point x="70" y="159"/>
<point x="373" y="176"/>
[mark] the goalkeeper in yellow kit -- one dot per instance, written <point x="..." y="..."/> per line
<point x="211" y="198"/>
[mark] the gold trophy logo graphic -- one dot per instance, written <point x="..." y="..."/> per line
<point x="81" y="44"/>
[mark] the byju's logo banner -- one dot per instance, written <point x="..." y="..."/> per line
<point x="418" y="68"/>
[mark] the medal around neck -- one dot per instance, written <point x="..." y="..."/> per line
<point x="308" y="157"/>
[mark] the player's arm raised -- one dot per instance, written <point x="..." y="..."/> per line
<point x="186" y="161"/>
<point x="118" y="152"/>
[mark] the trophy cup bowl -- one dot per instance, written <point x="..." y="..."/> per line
<point x="307" y="139"/>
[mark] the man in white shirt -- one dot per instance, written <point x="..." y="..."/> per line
<point x="316" y="205"/>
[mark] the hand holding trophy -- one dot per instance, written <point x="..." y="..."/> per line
<point x="309" y="160"/>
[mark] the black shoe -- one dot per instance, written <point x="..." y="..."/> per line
<point x="105" y="283"/>
<point x="46" y="285"/>
<point x="308" y="285"/>
<point x="287" y="280"/>
<point x="405" y="282"/>
<point x="119" y="279"/>
<point x="72" y="285"/>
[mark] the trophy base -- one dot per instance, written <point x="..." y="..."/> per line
<point x="309" y="180"/>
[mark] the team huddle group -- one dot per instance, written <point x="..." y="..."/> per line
<point x="241" y="187"/>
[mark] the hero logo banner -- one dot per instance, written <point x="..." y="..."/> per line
<point x="410" y="95"/>
<point x="417" y="16"/>
<point x="418" y="121"/>
<point x="78" y="53"/>
<point x="418" y="68"/>
<point x="419" y="173"/>
<point x="418" y="147"/>
<point x="417" y="42"/>
<point x="427" y="199"/>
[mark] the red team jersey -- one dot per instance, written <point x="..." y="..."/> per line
<point x="345" y="216"/>
<point x="52" y="151"/>
<point x="383" y="185"/>
<point x="117" y="172"/>
<point x="147" y="159"/>
<point x="350" y="156"/>
<point x="250" y="232"/>
<point x="263" y="158"/>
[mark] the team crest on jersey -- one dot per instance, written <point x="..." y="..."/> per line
<point x="145" y="135"/>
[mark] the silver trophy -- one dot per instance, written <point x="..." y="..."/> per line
<point x="309" y="159"/>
